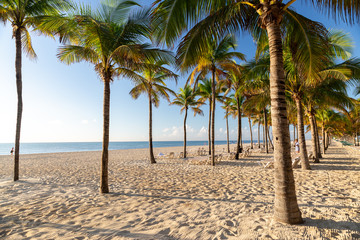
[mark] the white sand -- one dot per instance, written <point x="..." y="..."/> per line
<point x="58" y="198"/>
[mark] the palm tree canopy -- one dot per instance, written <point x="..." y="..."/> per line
<point x="150" y="79"/>
<point x="111" y="38"/>
<point x="186" y="98"/>
<point x="26" y="14"/>
<point x="212" y="19"/>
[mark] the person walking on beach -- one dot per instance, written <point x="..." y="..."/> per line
<point x="12" y="151"/>
<point x="297" y="146"/>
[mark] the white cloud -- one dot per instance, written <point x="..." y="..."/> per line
<point x="174" y="131"/>
<point x="56" y="122"/>
<point x="221" y="130"/>
<point x="189" y="129"/>
<point x="165" y="130"/>
<point x="203" y="131"/>
<point x="84" y="121"/>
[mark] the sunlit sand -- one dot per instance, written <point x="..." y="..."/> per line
<point x="58" y="198"/>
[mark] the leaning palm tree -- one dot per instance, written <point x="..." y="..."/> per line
<point x="111" y="40"/>
<point x="186" y="99"/>
<point x="24" y="15"/>
<point x="150" y="81"/>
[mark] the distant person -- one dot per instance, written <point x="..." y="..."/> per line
<point x="12" y="151"/>
<point x="297" y="146"/>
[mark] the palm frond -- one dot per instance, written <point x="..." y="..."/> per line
<point x="71" y="54"/>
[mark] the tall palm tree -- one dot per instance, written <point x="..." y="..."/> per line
<point x="212" y="18"/>
<point x="111" y="40"/>
<point x="211" y="60"/>
<point x="229" y="109"/>
<point x="151" y="82"/>
<point x="186" y="99"/>
<point x="24" y="15"/>
<point x="205" y="93"/>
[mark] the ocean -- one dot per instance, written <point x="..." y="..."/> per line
<point x="29" y="148"/>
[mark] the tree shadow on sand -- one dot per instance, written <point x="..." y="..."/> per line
<point x="331" y="224"/>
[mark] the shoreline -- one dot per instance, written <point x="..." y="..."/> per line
<point x="145" y="147"/>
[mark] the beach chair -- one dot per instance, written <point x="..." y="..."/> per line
<point x="247" y="152"/>
<point x="231" y="156"/>
<point x="311" y="156"/>
<point x="295" y="162"/>
<point x="161" y="155"/>
<point x="267" y="163"/>
<point x="218" y="158"/>
<point x="181" y="155"/>
<point x="171" y="155"/>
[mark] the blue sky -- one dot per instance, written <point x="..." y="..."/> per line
<point x="64" y="103"/>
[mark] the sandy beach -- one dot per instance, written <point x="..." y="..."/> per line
<point x="58" y="197"/>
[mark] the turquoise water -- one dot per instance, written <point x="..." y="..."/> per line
<point x="28" y="148"/>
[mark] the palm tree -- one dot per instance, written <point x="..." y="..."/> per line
<point x="186" y="99"/>
<point x="229" y="109"/>
<point x="204" y="90"/>
<point x="110" y="39"/>
<point x="23" y="15"/>
<point x="151" y="83"/>
<point x="211" y="60"/>
<point x="215" y="17"/>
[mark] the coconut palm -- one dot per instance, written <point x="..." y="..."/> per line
<point x="211" y="60"/>
<point x="186" y="99"/>
<point x="236" y="83"/>
<point x="256" y="75"/>
<point x="213" y="18"/>
<point x="24" y="15"/>
<point x="204" y="90"/>
<point x="150" y="81"/>
<point x="229" y="109"/>
<point x="111" y="40"/>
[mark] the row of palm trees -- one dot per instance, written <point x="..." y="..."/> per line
<point x="269" y="21"/>
<point x="295" y="62"/>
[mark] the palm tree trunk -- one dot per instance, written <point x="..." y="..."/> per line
<point x="185" y="131"/>
<point x="227" y="131"/>
<point x="313" y="138"/>
<point x="209" y="132"/>
<point x="241" y="139"/>
<point x="251" y="136"/>
<point x="238" y="149"/>
<point x="305" y="165"/>
<point x="323" y="138"/>
<point x="18" y="69"/>
<point x="259" y="131"/>
<point x="317" y="138"/>
<point x="326" y="140"/>
<point x="151" y="152"/>
<point x="266" y="132"/>
<point x="213" y="118"/>
<point x="263" y="129"/>
<point x="104" y="182"/>
<point x="354" y="139"/>
<point x="269" y="138"/>
<point x="286" y="208"/>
